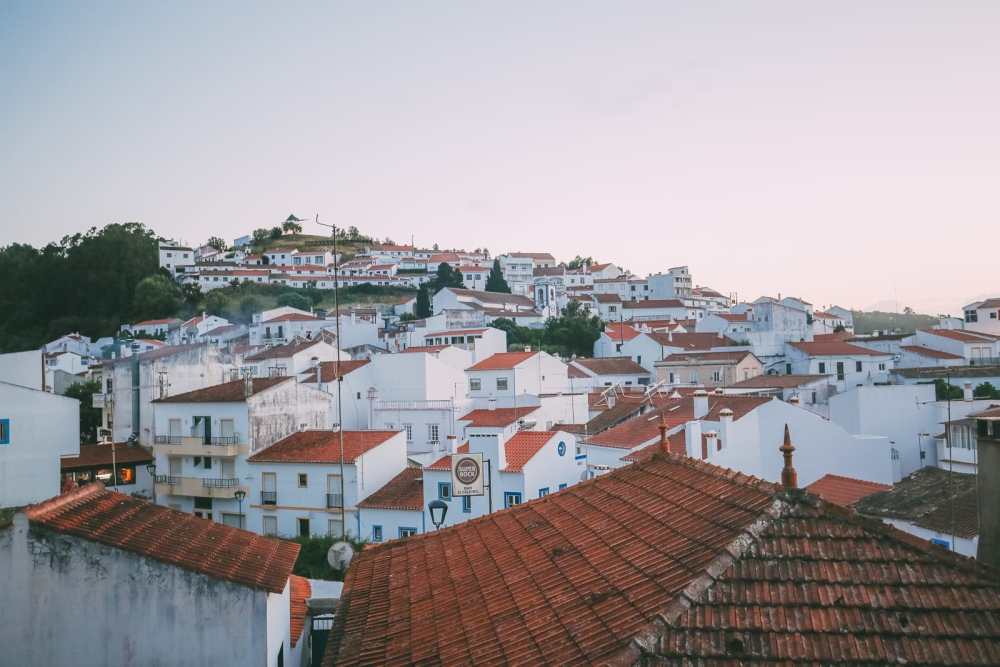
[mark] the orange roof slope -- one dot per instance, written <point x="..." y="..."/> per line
<point x="297" y="607"/>
<point x="102" y="455"/>
<point x="169" y="536"/>
<point x="836" y="348"/>
<point x="227" y="392"/>
<point x="844" y="490"/>
<point x="523" y="446"/>
<point x="321" y="447"/>
<point x="496" y="418"/>
<point x="405" y="491"/>
<point x="501" y="361"/>
<point x="671" y="560"/>
<point x="328" y="370"/>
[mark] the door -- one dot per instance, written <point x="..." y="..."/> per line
<point x="203" y="427"/>
<point x="333" y="498"/>
<point x="175" y="466"/>
<point x="174" y="431"/>
<point x="268" y="488"/>
<point x="228" y="469"/>
<point x="227" y="428"/>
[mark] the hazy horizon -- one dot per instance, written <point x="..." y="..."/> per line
<point x="840" y="153"/>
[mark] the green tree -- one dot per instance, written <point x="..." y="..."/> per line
<point x="90" y="417"/>
<point x="217" y="242"/>
<point x="260" y="235"/>
<point x="447" y="277"/>
<point x="495" y="281"/>
<point x="574" y="332"/>
<point x="518" y="337"/>
<point x="943" y="391"/>
<point x="986" y="390"/>
<point x="579" y="262"/>
<point x="216" y="303"/>
<point x="291" y="226"/>
<point x="276" y="232"/>
<point x="422" y="308"/>
<point x="249" y="305"/>
<point x="156" y="296"/>
<point x="295" y="300"/>
<point x="191" y="294"/>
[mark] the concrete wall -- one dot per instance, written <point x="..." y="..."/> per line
<point x="285" y="408"/>
<point x="965" y="546"/>
<point x="81" y="603"/>
<point x="23" y="368"/>
<point x="43" y="427"/>
<point x="392" y="520"/>
<point x="989" y="501"/>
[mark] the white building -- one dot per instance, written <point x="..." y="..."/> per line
<point x="303" y="486"/>
<point x="974" y="347"/>
<point x="292" y="358"/>
<point x="848" y="365"/>
<point x="674" y="284"/>
<point x="481" y="341"/>
<point x="203" y="438"/>
<point x="176" y="259"/>
<point x="506" y="376"/>
<point x="983" y="316"/>
<point x="649" y="347"/>
<point x="609" y="371"/>
<point x="355" y="381"/>
<point x="120" y="581"/>
<point x="36" y="429"/>
<point x="518" y="269"/>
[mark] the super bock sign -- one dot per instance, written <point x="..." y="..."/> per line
<point x="467" y="474"/>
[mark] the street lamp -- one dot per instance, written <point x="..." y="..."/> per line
<point x="438" y="509"/>
<point x="372" y="395"/>
<point x="240" y="495"/>
<point x="151" y="469"/>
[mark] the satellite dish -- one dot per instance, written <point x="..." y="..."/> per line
<point x="340" y="554"/>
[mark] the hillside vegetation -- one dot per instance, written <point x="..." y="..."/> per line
<point x="867" y="322"/>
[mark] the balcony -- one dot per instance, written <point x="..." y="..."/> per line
<point x="199" y="445"/>
<point x="334" y="500"/>
<point x="201" y="487"/>
<point x="413" y="405"/>
<point x="268" y="497"/>
<point x="956" y="454"/>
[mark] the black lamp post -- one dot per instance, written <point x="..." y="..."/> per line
<point x="151" y="469"/>
<point x="438" y="509"/>
<point x="240" y="495"/>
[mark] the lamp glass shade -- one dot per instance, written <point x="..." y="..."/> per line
<point x="438" y="510"/>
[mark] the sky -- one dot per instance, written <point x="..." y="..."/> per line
<point x="843" y="152"/>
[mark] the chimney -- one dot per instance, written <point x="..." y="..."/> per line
<point x="794" y="399"/>
<point x="789" y="479"/>
<point x="492" y="447"/>
<point x="700" y="403"/>
<point x="725" y="422"/>
<point x="988" y="490"/>
<point x="967" y="392"/>
<point x="450" y="444"/>
<point x="492" y="404"/>
<point x="692" y="439"/>
<point x="711" y="444"/>
<point x="610" y="399"/>
<point x="664" y="444"/>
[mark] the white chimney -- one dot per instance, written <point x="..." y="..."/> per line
<point x="794" y="399"/>
<point x="725" y="422"/>
<point x="451" y="444"/>
<point x="967" y="392"/>
<point x="692" y="439"/>
<point x="492" y="404"/>
<point x="700" y="404"/>
<point x="610" y="399"/>
<point x="712" y="439"/>
<point x="492" y="447"/>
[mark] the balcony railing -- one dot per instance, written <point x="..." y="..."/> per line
<point x="334" y="500"/>
<point x="221" y="440"/>
<point x="268" y="497"/>
<point x="172" y="480"/>
<point x="413" y="405"/>
<point x="220" y="482"/>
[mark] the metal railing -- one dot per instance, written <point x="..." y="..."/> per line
<point x="220" y="482"/>
<point x="268" y="497"/>
<point x="334" y="500"/>
<point x="212" y="440"/>
<point x="172" y="480"/>
<point x="413" y="405"/>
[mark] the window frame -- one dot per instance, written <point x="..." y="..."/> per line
<point x="509" y="496"/>
<point x="5" y="431"/>
<point x="444" y="491"/>
<point x="377" y="534"/>
<point x="303" y="480"/>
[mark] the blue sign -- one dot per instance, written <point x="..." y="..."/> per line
<point x="561" y="448"/>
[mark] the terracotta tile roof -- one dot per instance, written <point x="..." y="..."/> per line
<point x="990" y="303"/>
<point x="927" y="498"/>
<point x="778" y="381"/>
<point x="533" y="255"/>
<point x="991" y="413"/>
<point x="844" y="491"/>
<point x="502" y="361"/>
<point x="523" y="446"/>
<point x="574" y="373"/>
<point x="928" y="352"/>
<point x="291" y="317"/>
<point x="321" y="447"/>
<point x="654" y="303"/>
<point x="227" y="392"/>
<point x="100" y="455"/>
<point x="297" y="607"/>
<point x="457" y="332"/>
<point x="611" y="366"/>
<point x="225" y="328"/>
<point x="284" y="351"/>
<point x="165" y="320"/>
<point x="691" y="341"/>
<point x="444" y="463"/>
<point x="497" y="418"/>
<point x="667" y="561"/>
<point x="405" y="491"/>
<point x="735" y="317"/>
<point x="836" y="335"/>
<point x="429" y="349"/>
<point x="602" y="297"/>
<point x="961" y="335"/>
<point x="675" y="443"/>
<point x="835" y="348"/>
<point x="705" y="357"/>
<point x="620" y="332"/>
<point x="177" y="538"/>
<point x="493" y="297"/>
<point x="328" y="370"/>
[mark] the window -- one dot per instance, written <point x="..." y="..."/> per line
<point x="376" y="533"/>
<point x="233" y="520"/>
<point x="542" y="492"/>
<point x="475" y="384"/>
<point x="511" y="498"/>
<point x="822" y="368"/>
<point x="467" y="504"/>
<point x="501" y="384"/>
<point x="4" y="431"/>
<point x="303" y="480"/>
<point x="562" y="486"/>
<point x="840" y="370"/>
<point x="303" y="527"/>
<point x="409" y="432"/>
<point x="857" y="366"/>
<point x="202" y="503"/>
<point x="881" y="366"/>
<point x="717" y="376"/>
<point x="993" y="315"/>
<point x="444" y="490"/>
<point x="432" y="432"/>
<point x="334" y="528"/>
<point x="788" y="369"/>
<point x="638" y="359"/>
<point x="406" y="532"/>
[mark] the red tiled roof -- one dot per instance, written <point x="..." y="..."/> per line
<point x="291" y="317"/>
<point x="284" y="351"/>
<point x="405" y="491"/>
<point x="430" y="349"/>
<point x="499" y="417"/>
<point x="165" y="320"/>
<point x="533" y="255"/>
<point x="620" y="332"/>
<point x="961" y="336"/>
<point x="444" y="463"/>
<point x="101" y="455"/>
<point x="523" y="446"/>
<point x="928" y="352"/>
<point x="321" y="447"/>
<point x="672" y="561"/>
<point x="574" y="373"/>
<point x="835" y="348"/>
<point x="836" y="335"/>
<point x="691" y="341"/>
<point x="844" y="491"/>
<point x="602" y="297"/>
<point x="328" y="370"/>
<point x="457" y="332"/>
<point x="227" y="392"/>
<point x="502" y="361"/>
<point x="778" y="381"/>
<point x="297" y="607"/>
<point x="654" y="303"/>
<point x="735" y="317"/>
<point x="177" y="538"/>
<point x="695" y="357"/>
<point x="611" y="366"/>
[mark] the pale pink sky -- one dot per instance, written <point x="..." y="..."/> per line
<point x="847" y="152"/>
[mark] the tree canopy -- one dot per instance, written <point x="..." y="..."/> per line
<point x="90" y="417"/>
<point x="422" y="308"/>
<point x="574" y="332"/>
<point x="295" y="301"/>
<point x="446" y="277"/>
<point x="217" y="242"/>
<point x="495" y="281"/>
